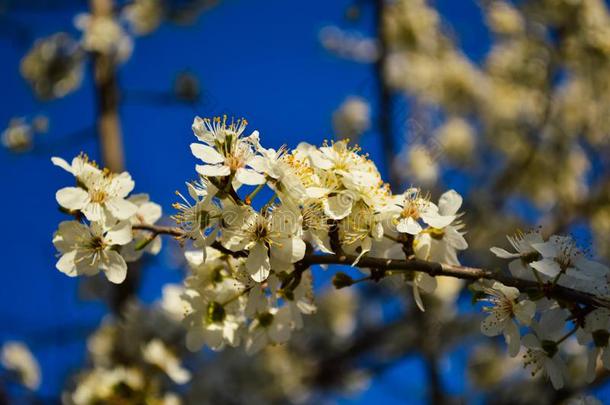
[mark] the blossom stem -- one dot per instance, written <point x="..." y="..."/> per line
<point x="241" y="294"/>
<point x="160" y="230"/>
<point x="250" y="197"/>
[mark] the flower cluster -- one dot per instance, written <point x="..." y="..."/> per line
<point x="250" y="281"/>
<point x="54" y="66"/>
<point x="556" y="261"/>
<point x="257" y="219"/>
<point x="101" y="235"/>
<point x="135" y="360"/>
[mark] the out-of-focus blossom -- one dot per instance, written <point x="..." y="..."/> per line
<point x="489" y="365"/>
<point x="104" y="34"/>
<point x="54" y="66"/>
<point x="503" y="18"/>
<point x="585" y="400"/>
<point x="102" y="385"/>
<point x="352" y="118"/>
<point x="17" y="358"/>
<point x="349" y="45"/>
<point x="19" y="136"/>
<point x="144" y="16"/>
<point x="457" y="139"/>
<point x="419" y="165"/>
<point x="157" y="353"/>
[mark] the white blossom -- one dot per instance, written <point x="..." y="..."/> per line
<point x="504" y="311"/>
<point x="85" y="250"/>
<point x="203" y="219"/>
<point x="271" y="236"/>
<point x="100" y="195"/>
<point x="269" y="327"/>
<point x="525" y="253"/>
<point x="560" y="256"/>
<point x="415" y="208"/>
<point x="105" y="35"/>
<point x="225" y="152"/>
<point x="442" y="244"/>
<point x="542" y="353"/>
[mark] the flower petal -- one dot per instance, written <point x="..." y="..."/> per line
<point x="338" y="206"/>
<point x="120" y="234"/>
<point x="524" y="312"/>
<point x="212" y="171"/>
<point x="206" y="153"/>
<point x="437" y="221"/>
<point x="503" y="254"/>
<point x="121" y="185"/>
<point x="114" y="267"/>
<point x="548" y="267"/>
<point x="57" y="161"/>
<point x="120" y="208"/>
<point x="449" y="203"/>
<point x="66" y="264"/>
<point x="94" y="212"/>
<point x="492" y="325"/>
<point x="194" y="340"/>
<point x="554" y="373"/>
<point x="72" y="198"/>
<point x="249" y="177"/>
<point x="408" y="225"/>
<point x="289" y="250"/>
<point x="257" y="263"/>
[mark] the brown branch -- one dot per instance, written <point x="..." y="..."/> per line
<point x="160" y="230"/>
<point x="110" y="138"/>
<point x="434" y="269"/>
<point x="385" y="105"/>
<point x="107" y="92"/>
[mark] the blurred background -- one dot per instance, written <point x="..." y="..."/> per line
<point x="506" y="102"/>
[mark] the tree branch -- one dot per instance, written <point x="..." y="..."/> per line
<point x="385" y="106"/>
<point x="107" y="92"/>
<point x="110" y="137"/>
<point x="392" y="266"/>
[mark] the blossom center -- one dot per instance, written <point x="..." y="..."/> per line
<point x="410" y="210"/>
<point x="98" y="196"/>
